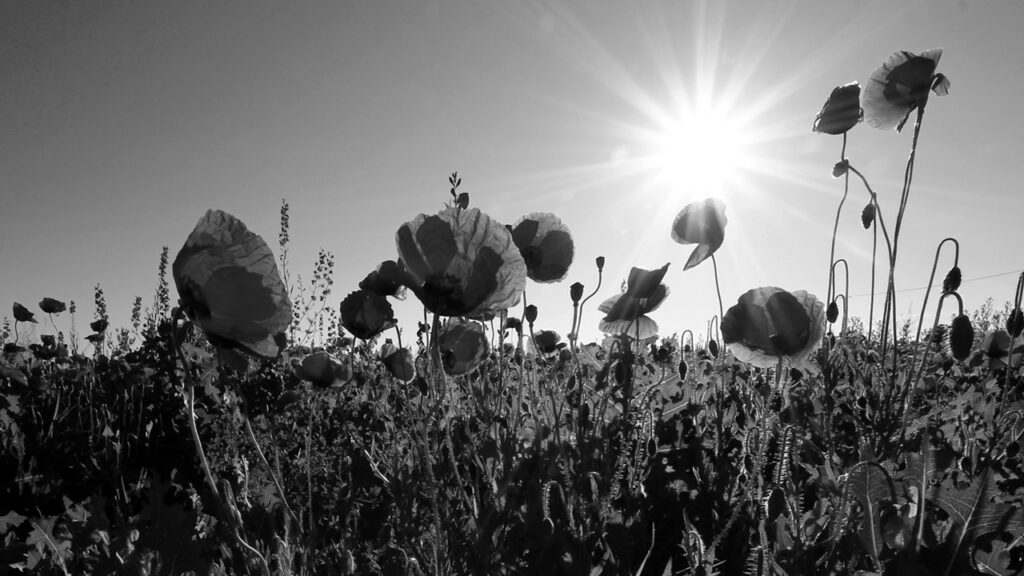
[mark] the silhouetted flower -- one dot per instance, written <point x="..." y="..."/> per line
<point x="701" y="223"/>
<point x="901" y="85"/>
<point x="547" y="341"/>
<point x="228" y="284"/>
<point x="22" y="314"/>
<point x="626" y="313"/>
<point x="461" y="262"/>
<point x="366" y="314"/>
<point x="389" y="279"/>
<point x="51" y="306"/>
<point x="841" y="111"/>
<point x="545" y="244"/>
<point x="398" y="361"/>
<point x="463" y="345"/>
<point x="769" y="323"/>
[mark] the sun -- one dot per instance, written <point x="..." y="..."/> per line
<point x="700" y="150"/>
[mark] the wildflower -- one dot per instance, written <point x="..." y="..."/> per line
<point x="901" y="85"/>
<point x="626" y="313"/>
<point x="99" y="325"/>
<point x="398" y="362"/>
<point x="52" y="306"/>
<point x="321" y="368"/>
<point x="545" y="244"/>
<point x="229" y="285"/>
<point x="841" y="111"/>
<point x="701" y="223"/>
<point x="22" y="314"/>
<point x="461" y="263"/>
<point x="769" y="323"/>
<point x="548" y="342"/>
<point x="389" y="279"/>
<point x="366" y="314"/>
<point x="463" y="345"/>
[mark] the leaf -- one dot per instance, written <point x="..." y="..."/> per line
<point x="11" y="520"/>
<point x="870" y="484"/>
<point x="996" y="561"/>
<point x="974" y="513"/>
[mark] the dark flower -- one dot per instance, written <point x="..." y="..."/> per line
<point x="626" y="313"/>
<point x="841" y="111"/>
<point x="463" y="345"/>
<point x="770" y="323"/>
<point x="365" y="314"/>
<point x="22" y="314"/>
<point x="901" y="85"/>
<point x="701" y="223"/>
<point x="545" y="244"/>
<point x="51" y="306"/>
<point x="960" y="337"/>
<point x="389" y="279"/>
<point x="547" y="341"/>
<point x="398" y="362"/>
<point x="461" y="262"/>
<point x="99" y="325"/>
<point x="867" y="215"/>
<point x="228" y="284"/>
<point x="320" y="368"/>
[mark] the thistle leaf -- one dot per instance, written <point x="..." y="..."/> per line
<point x="974" y="513"/>
<point x="871" y="484"/>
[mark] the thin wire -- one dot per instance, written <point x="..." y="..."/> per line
<point x="964" y="281"/>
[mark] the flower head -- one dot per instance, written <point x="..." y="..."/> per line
<point x="366" y="314"/>
<point x="626" y="313"/>
<point x="841" y="111"/>
<point x="901" y="85"/>
<point x="701" y="223"/>
<point x="546" y="246"/>
<point x="463" y="345"/>
<point x="461" y="262"/>
<point x="229" y="285"/>
<point x="22" y="314"/>
<point x="769" y="323"/>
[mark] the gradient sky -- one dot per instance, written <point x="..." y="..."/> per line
<point x="122" y="122"/>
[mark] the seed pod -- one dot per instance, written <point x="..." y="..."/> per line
<point x="832" y="313"/>
<point x="600" y="262"/>
<point x="576" y="292"/>
<point x="713" y="348"/>
<point x="682" y="370"/>
<point x="952" y="281"/>
<point x="961" y="337"/>
<point x="867" y="215"/>
<point x="530" y="313"/>
<point x="1015" y="322"/>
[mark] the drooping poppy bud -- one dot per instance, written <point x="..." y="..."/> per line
<point x="576" y="292"/>
<point x="463" y="200"/>
<point x="22" y="314"/>
<point x="530" y="314"/>
<point x="832" y="313"/>
<point x="840" y="168"/>
<point x="682" y="370"/>
<point x="1015" y="322"/>
<point x="51" y="306"/>
<point x="867" y="215"/>
<point x="960" y="337"/>
<point x="713" y="347"/>
<point x="952" y="281"/>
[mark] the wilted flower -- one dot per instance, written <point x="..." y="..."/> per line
<point x="841" y="111"/>
<point x="52" y="306"/>
<point x="366" y="314"/>
<point x="229" y="285"/>
<point x="701" y="223"/>
<point x="626" y="313"/>
<point x="22" y="314"/>
<point x="901" y="85"/>
<point x="463" y="345"/>
<point x="545" y="244"/>
<point x="770" y="323"/>
<point x="461" y="262"/>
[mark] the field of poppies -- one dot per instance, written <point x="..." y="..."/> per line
<point x="257" y="427"/>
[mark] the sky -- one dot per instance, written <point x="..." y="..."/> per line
<point x="122" y="122"/>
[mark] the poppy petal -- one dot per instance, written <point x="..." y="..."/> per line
<point x="768" y="323"/>
<point x="546" y="246"/>
<point x="898" y="86"/>
<point x="701" y="223"/>
<point x="229" y="285"/>
<point x="647" y="327"/>
<point x="463" y="345"/>
<point x="841" y="111"/>
<point x="644" y="283"/>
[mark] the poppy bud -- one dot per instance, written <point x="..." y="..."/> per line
<point x="952" y="281"/>
<point x="463" y="200"/>
<point x="1015" y="322"/>
<point x="833" y="312"/>
<point x="840" y="168"/>
<point x="576" y="292"/>
<point x="600" y="263"/>
<point x="867" y="215"/>
<point x="713" y="347"/>
<point x="682" y="370"/>
<point x="530" y="314"/>
<point x="961" y="337"/>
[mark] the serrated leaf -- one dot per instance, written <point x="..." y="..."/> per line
<point x="995" y="562"/>
<point x="11" y="520"/>
<point x="974" y="513"/>
<point x="870" y="485"/>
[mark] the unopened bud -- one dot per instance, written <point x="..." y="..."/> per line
<point x="530" y="314"/>
<point x="600" y="262"/>
<point x="840" y="168"/>
<point x="867" y="215"/>
<point x="961" y="337"/>
<point x="952" y="281"/>
<point x="576" y="292"/>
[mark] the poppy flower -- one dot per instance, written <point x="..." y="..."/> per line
<point x="389" y="279"/>
<point x="701" y="223"/>
<point x="52" y="306"/>
<point x="545" y="244"/>
<point x="365" y="314"/>
<point x="769" y="323"/>
<point x="841" y="111"/>
<point x="229" y="285"/>
<point x="547" y="342"/>
<point x="901" y="85"/>
<point x="22" y="314"/>
<point x="461" y="262"/>
<point x="463" y="345"/>
<point x="320" y="368"/>
<point x="626" y="313"/>
<point x="398" y="361"/>
<point x="99" y="325"/>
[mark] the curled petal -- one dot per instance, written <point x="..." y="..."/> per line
<point x="228" y="284"/>
<point x="462" y="262"/>
<point x="702" y="223"/>
<point x="546" y="246"/>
